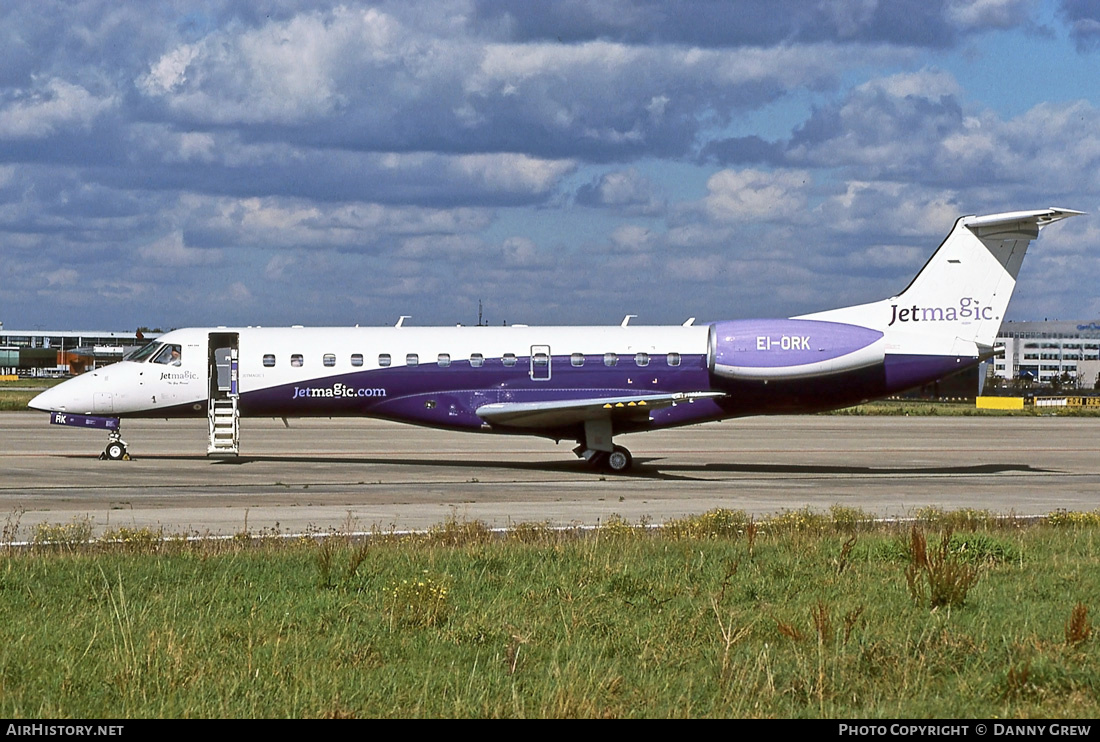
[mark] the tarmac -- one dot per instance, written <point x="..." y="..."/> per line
<point x="324" y="475"/>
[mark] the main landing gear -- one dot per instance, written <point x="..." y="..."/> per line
<point x="597" y="449"/>
<point x="116" y="448"/>
<point x="617" y="460"/>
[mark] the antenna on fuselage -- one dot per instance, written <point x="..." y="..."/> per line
<point x="689" y="323"/>
<point x="401" y="319"/>
<point x="626" y="319"/>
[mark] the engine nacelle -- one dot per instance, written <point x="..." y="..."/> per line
<point x="774" y="349"/>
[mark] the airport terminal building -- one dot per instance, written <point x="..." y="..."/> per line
<point x="1044" y="351"/>
<point x="49" y="352"/>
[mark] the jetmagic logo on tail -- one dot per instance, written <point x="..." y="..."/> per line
<point x="968" y="309"/>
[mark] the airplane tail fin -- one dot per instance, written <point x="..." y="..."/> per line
<point x="963" y="290"/>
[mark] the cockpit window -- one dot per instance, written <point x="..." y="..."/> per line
<point x="142" y="354"/>
<point x="169" y="355"/>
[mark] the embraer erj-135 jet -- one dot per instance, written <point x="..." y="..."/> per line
<point x="586" y="384"/>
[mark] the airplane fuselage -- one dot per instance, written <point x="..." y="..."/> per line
<point x="583" y="383"/>
<point x="442" y="376"/>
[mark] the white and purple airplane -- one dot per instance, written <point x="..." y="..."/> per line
<point x="586" y="384"/>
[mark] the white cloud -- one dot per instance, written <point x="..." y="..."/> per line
<point x="736" y="195"/>
<point x="926" y="83"/>
<point x="988" y="13"/>
<point x="62" y="277"/>
<point x="511" y="172"/>
<point x="50" y="107"/>
<point x="171" y="252"/>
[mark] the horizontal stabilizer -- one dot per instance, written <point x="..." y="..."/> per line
<point x="552" y="414"/>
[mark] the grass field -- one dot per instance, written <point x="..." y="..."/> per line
<point x="960" y="615"/>
<point x="14" y="395"/>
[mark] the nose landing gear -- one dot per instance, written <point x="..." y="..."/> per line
<point x="116" y="448"/>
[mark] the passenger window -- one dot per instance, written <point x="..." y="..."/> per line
<point x="641" y="359"/>
<point x="296" y="360"/>
<point x="610" y="359"/>
<point x="577" y="359"/>
<point x="444" y="360"/>
<point x="477" y="360"/>
<point x="269" y="360"/>
<point x="384" y="359"/>
<point x="674" y="359"/>
<point x="412" y="359"/>
<point x="169" y="356"/>
<point x="356" y="359"/>
<point x="329" y="359"/>
<point x="508" y="359"/>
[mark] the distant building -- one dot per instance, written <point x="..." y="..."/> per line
<point x="1045" y="351"/>
<point x="62" y="352"/>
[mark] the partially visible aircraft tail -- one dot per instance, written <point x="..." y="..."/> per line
<point x="961" y="294"/>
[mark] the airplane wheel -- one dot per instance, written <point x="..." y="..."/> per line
<point x="598" y="460"/>
<point x="619" y="460"/>
<point x="115" y="451"/>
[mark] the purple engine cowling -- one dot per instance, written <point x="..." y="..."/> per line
<point x="767" y="349"/>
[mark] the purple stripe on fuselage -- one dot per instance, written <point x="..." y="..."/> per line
<point x="430" y="394"/>
<point x="772" y="343"/>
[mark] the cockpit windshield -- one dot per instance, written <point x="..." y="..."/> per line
<point x="142" y="354"/>
<point x="169" y="355"/>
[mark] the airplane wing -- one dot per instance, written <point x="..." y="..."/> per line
<point x="551" y="414"/>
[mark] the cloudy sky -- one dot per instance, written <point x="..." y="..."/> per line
<point x="275" y="162"/>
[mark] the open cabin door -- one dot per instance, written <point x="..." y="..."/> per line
<point x="222" y="378"/>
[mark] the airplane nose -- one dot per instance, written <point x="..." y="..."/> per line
<point x="74" y="395"/>
<point x="49" y="400"/>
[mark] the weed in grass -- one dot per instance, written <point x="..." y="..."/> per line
<point x="511" y="655"/>
<point x="732" y="566"/>
<point x="328" y="549"/>
<point x="845" y="553"/>
<point x="1016" y="683"/>
<point x="1064" y="519"/>
<point x="731" y="635"/>
<point x="532" y="533"/>
<point x="790" y="631"/>
<point x="852" y="619"/>
<point x="1078" y="628"/>
<point x="325" y="555"/>
<point x="11" y="527"/>
<point x="713" y="524"/>
<point x="938" y="577"/>
<point x="357" y="557"/>
<point x="851" y="520"/>
<point x="797" y="521"/>
<point x="964" y="519"/>
<point x="981" y="548"/>
<point x="453" y="532"/>
<point x="133" y="540"/>
<point x="819" y="614"/>
<point x="421" y="602"/>
<point x="63" y="536"/>
<point x="617" y="528"/>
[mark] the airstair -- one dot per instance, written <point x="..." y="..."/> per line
<point x="222" y="412"/>
<point x="225" y="428"/>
